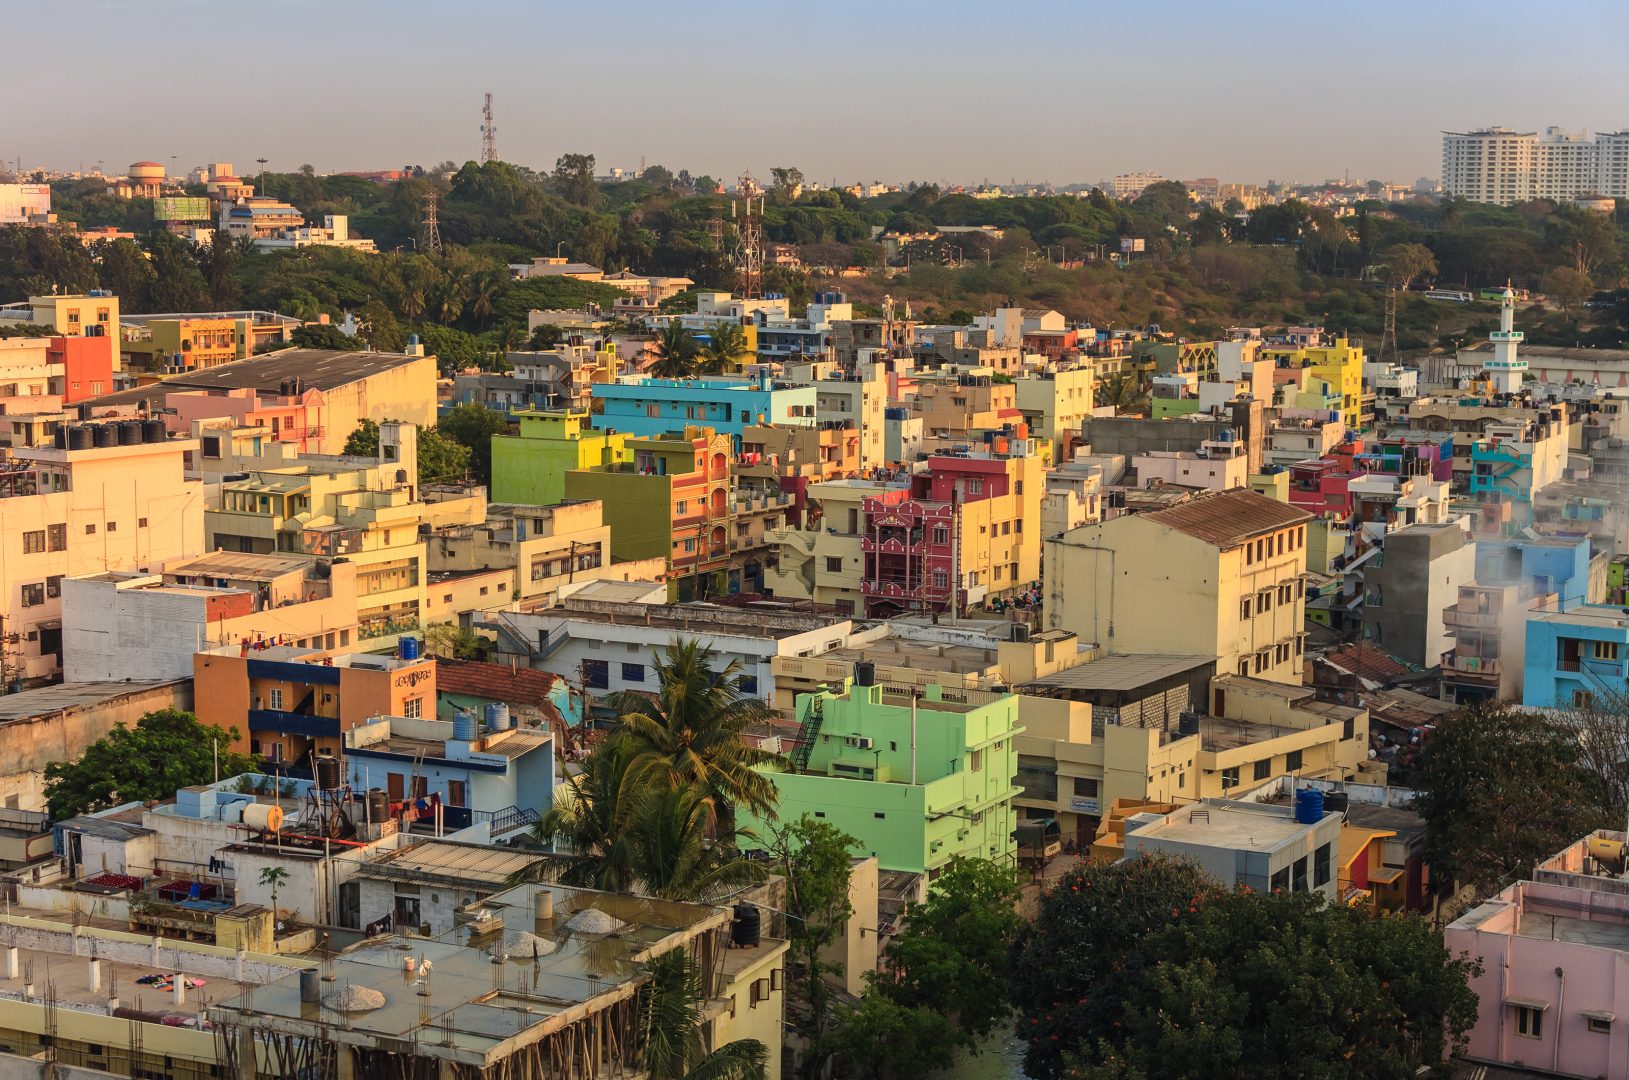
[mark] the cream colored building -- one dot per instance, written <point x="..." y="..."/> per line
<point x="823" y="561"/>
<point x="119" y="501"/>
<point x="1218" y="576"/>
<point x="1054" y="403"/>
<point x="69" y="315"/>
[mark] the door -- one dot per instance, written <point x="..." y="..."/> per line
<point x="457" y="793"/>
<point x="350" y="905"/>
<point x="394" y="784"/>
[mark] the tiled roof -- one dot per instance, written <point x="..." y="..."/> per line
<point x="1228" y="518"/>
<point x="1367" y="662"/>
<point x="496" y="682"/>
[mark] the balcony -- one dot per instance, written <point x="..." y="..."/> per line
<point x="1471" y="667"/>
<point x="290" y="723"/>
<point x="1470" y="620"/>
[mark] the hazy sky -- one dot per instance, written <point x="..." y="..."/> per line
<point x="1061" y="90"/>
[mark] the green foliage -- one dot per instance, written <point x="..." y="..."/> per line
<point x="672" y="1030"/>
<point x="813" y="858"/>
<point x="321" y="336"/>
<point x="441" y="460"/>
<point x="454" y="641"/>
<point x="726" y="346"/>
<point x="472" y="425"/>
<point x="1567" y="287"/>
<point x="165" y="751"/>
<point x="1499" y="789"/>
<point x="1147" y="969"/>
<point x="880" y="1039"/>
<point x="675" y="352"/>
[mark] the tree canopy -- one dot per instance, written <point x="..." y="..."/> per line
<point x="167" y="750"/>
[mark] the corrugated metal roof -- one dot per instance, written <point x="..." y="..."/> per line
<point x="318" y="369"/>
<point x="1228" y="518"/>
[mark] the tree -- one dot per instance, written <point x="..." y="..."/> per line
<point x="675" y="352"/>
<point x="167" y="750"/>
<point x="573" y="178"/>
<point x="321" y="336"/>
<point x="272" y="877"/>
<point x="545" y="337"/>
<point x="1079" y="958"/>
<point x="726" y="345"/>
<point x="880" y="1039"/>
<point x="1407" y="262"/>
<point x="590" y="815"/>
<point x="672" y="854"/>
<point x="1123" y="390"/>
<point x="671" y="1028"/>
<point x="1499" y="789"/>
<point x="456" y="642"/>
<point x="692" y="731"/>
<point x="813" y="858"/>
<point x="787" y="183"/>
<point x="472" y="425"/>
<point x="951" y="955"/>
<point x="1284" y="985"/>
<point x="440" y="458"/>
<point x="1568" y="287"/>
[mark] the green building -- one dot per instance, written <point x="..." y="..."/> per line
<point x="531" y="467"/>
<point x="917" y="782"/>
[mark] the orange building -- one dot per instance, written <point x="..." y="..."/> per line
<point x="288" y="702"/>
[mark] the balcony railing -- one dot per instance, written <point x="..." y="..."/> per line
<point x="1470" y="620"/>
<point x="1473" y="666"/>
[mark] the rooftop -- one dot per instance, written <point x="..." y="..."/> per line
<point x="1125" y="671"/>
<point x="317" y="369"/>
<point x="496" y="682"/>
<point x="1228" y="518"/>
<point x="1222" y="824"/>
<point x="63" y="696"/>
<point x="433" y="860"/>
<point x="240" y="564"/>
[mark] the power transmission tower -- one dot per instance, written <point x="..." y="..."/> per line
<point x="489" y="133"/>
<point x="432" y="226"/>
<point x="748" y="210"/>
<point x="1388" y="336"/>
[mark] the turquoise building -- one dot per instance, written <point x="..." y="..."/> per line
<point x="915" y="781"/>
<point x="641" y="405"/>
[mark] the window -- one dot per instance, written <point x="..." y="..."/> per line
<point x="1606" y="650"/>
<point x="1320" y="867"/>
<point x="747" y="684"/>
<point x="90" y="529"/>
<point x="33" y="542"/>
<point x="1298" y="875"/>
<point x="1245" y="609"/>
<point x="56" y="537"/>
<point x="975" y="487"/>
<point x="1263" y="769"/>
<point x="34" y="595"/>
<point x="141" y="523"/>
<point x="1086" y="787"/>
<point x="113" y="526"/>
<point x="1582" y="699"/>
<point x="596" y="674"/>
<point x="941" y="579"/>
<point x="457" y="793"/>
<point x="941" y="535"/>
<point x="1600" y="1024"/>
<point x="684" y="504"/>
<point x="1529" y="1022"/>
<point x="834" y="564"/>
<point x="633" y="672"/>
<point x="412" y="708"/>
<point x="1292" y="761"/>
<point x="1230" y="778"/>
<point x="53" y="585"/>
<point x="975" y="761"/>
<point x="1264" y="602"/>
<point x="274" y="697"/>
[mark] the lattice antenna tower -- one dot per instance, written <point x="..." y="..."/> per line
<point x="748" y="211"/>
<point x="489" y="133"/>
<point x="1388" y="336"/>
<point x="432" y="225"/>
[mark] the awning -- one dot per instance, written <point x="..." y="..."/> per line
<point x="1603" y="1017"/>
<point x="1528" y="1003"/>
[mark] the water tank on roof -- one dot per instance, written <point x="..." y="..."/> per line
<point x="408" y="648"/>
<point x="865" y="673"/>
<point x="104" y="435"/>
<point x="81" y="438"/>
<point x="1188" y="723"/>
<point x="130" y="433"/>
<point x="1309" y="806"/>
<point x="746" y="925"/>
<point x="497" y="716"/>
<point x="153" y="431"/>
<point x="327" y="772"/>
<point x="378" y="804"/>
<point x="464" y="725"/>
<point x="60" y="437"/>
<point x="264" y="816"/>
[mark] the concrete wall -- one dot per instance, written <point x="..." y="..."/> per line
<point x="62" y="734"/>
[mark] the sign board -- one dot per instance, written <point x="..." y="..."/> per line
<point x="181" y="208"/>
<point x="1083" y="806"/>
<point x="1132" y="244"/>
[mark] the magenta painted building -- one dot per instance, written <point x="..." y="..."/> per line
<point x="1554" y="986"/>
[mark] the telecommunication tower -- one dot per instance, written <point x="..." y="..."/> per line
<point x="432" y="226"/>
<point x="489" y="133"/>
<point x="1388" y="335"/>
<point x="748" y="211"/>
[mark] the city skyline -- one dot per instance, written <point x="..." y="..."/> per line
<point x="1219" y="97"/>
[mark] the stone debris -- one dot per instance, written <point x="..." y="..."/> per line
<point x="354" y="999"/>
<point x="595" y="921"/>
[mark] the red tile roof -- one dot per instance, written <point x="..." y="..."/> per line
<point x="1228" y="518"/>
<point x="497" y="682"/>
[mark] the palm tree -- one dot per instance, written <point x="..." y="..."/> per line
<point x="726" y="345"/>
<point x="590" y="816"/>
<point x="485" y="286"/>
<point x="691" y="732"/>
<point x="671" y="1024"/>
<point x="1123" y="390"/>
<point x="675" y="352"/>
<point x="666" y="838"/>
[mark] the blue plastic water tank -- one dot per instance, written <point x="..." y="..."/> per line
<point x="1309" y="806"/>
<point x="497" y="716"/>
<point x="408" y="648"/>
<point x="464" y="725"/>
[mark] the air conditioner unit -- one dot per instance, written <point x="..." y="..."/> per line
<point x="862" y="742"/>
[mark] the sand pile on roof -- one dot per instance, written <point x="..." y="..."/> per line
<point x="523" y="945"/>
<point x="595" y="921"/>
<point x="354" y="999"/>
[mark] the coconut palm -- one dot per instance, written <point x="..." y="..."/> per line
<point x="691" y="732"/>
<point x="726" y="345"/>
<point x="590" y="815"/>
<point x="1122" y="390"/>
<point x="671" y="1027"/>
<point x="675" y="352"/>
<point x="668" y="847"/>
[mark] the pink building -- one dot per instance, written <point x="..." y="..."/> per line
<point x="1555" y="964"/>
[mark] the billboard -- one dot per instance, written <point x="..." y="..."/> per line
<point x="181" y="208"/>
<point x="1130" y="245"/>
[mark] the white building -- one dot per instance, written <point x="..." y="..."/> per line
<point x="1131" y="185"/>
<point x="25" y="204"/>
<point x="1498" y="165"/>
<point x="1264" y="846"/>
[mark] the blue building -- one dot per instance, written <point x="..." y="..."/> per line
<point x="1552" y="564"/>
<point x="499" y="776"/>
<point x="640" y="405"/>
<point x="1576" y="658"/>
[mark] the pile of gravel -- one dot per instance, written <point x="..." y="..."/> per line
<point x="523" y="945"/>
<point x="354" y="999"/>
<point x="594" y="921"/>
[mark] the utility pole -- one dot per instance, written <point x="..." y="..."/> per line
<point x="489" y="133"/>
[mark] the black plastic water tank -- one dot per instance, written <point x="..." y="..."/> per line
<point x="105" y="435"/>
<point x="130" y="433"/>
<point x="152" y="430"/>
<point x="81" y="438"/>
<point x="865" y="673"/>
<point x="745" y="927"/>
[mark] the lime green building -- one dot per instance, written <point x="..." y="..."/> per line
<point x="916" y="782"/>
<point x="531" y="467"/>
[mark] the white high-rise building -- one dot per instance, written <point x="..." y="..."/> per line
<point x="1498" y="165"/>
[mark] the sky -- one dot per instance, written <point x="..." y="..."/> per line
<point x="890" y="90"/>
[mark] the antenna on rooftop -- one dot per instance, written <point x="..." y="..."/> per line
<point x="489" y="133"/>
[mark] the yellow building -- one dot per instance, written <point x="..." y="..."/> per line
<point x="93" y="314"/>
<point x="107" y="497"/>
<point x="161" y="345"/>
<point x="364" y="514"/>
<point x="1217" y="576"/>
<point x="1054" y="404"/>
<point x="1340" y="364"/>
